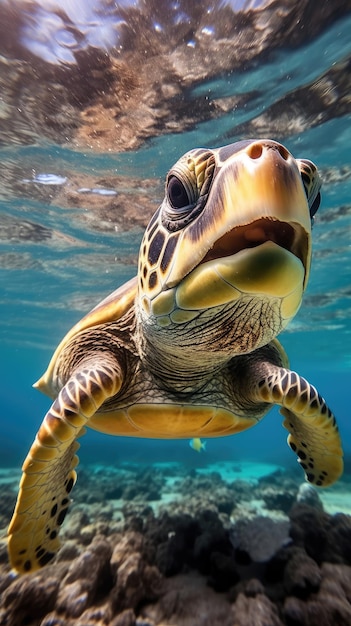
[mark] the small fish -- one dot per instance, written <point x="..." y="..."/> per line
<point x="197" y="444"/>
<point x="46" y="179"/>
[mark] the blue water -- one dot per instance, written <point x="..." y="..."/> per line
<point x="47" y="285"/>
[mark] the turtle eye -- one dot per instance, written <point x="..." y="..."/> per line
<point x="177" y="193"/>
<point x="315" y="205"/>
<point x="187" y="188"/>
<point x="312" y="184"/>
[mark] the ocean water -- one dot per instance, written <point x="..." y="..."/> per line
<point x="73" y="210"/>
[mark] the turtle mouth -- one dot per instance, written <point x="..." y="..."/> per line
<point x="291" y="237"/>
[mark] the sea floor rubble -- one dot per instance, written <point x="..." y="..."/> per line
<point x="177" y="547"/>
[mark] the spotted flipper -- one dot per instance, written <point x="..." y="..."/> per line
<point x="314" y="435"/>
<point x="48" y="471"/>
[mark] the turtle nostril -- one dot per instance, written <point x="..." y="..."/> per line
<point x="255" y="151"/>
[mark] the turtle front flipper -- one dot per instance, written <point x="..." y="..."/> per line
<point x="48" y="471"/>
<point x="314" y="434"/>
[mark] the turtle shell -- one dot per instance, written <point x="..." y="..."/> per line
<point x="112" y="308"/>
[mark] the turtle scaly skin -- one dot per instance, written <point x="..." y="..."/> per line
<point x="188" y="348"/>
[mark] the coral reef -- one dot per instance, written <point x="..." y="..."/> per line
<point x="154" y="546"/>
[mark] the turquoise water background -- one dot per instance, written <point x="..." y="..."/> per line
<point x="51" y="284"/>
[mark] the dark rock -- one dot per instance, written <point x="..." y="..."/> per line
<point x="53" y="620"/>
<point x="295" y="612"/>
<point x="129" y="588"/>
<point x="336" y="581"/>
<point x="242" y="490"/>
<point x="309" y="529"/>
<point x="212" y="537"/>
<point x="134" y="522"/>
<point x="87" y="576"/>
<point x="171" y="555"/>
<point x="330" y="606"/>
<point x="68" y="551"/>
<point x="223" y="572"/>
<point x="339" y="539"/>
<point x="187" y="600"/>
<point x="208" y="488"/>
<point x="328" y="611"/>
<point x="302" y="575"/>
<point x="250" y="587"/>
<point x="136" y="582"/>
<point x="6" y="580"/>
<point x="196" y="483"/>
<point x="29" y="597"/>
<point x="184" y="542"/>
<point x="92" y="563"/>
<point x="75" y="597"/>
<point x="255" y="611"/>
<point x="253" y="587"/>
<point x="324" y="537"/>
<point x="278" y="499"/>
<point x="113" y="492"/>
<point x="98" y="614"/>
<point x="126" y="618"/>
<point x="242" y="557"/>
<point x="274" y="569"/>
<point x="225" y="500"/>
<point x="144" y="486"/>
<point x="136" y="514"/>
<point x="75" y="522"/>
<point x="279" y="479"/>
<point x="129" y="543"/>
<point x="174" y="538"/>
<point x="135" y="579"/>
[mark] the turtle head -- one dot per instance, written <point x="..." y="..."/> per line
<point x="233" y="232"/>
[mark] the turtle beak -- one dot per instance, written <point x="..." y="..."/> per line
<point x="257" y="196"/>
<point x="265" y="182"/>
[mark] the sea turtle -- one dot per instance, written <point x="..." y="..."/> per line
<point x="188" y="348"/>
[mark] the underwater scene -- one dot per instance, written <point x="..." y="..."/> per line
<point x="184" y="167"/>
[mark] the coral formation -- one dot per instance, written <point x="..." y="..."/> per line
<point x="159" y="549"/>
